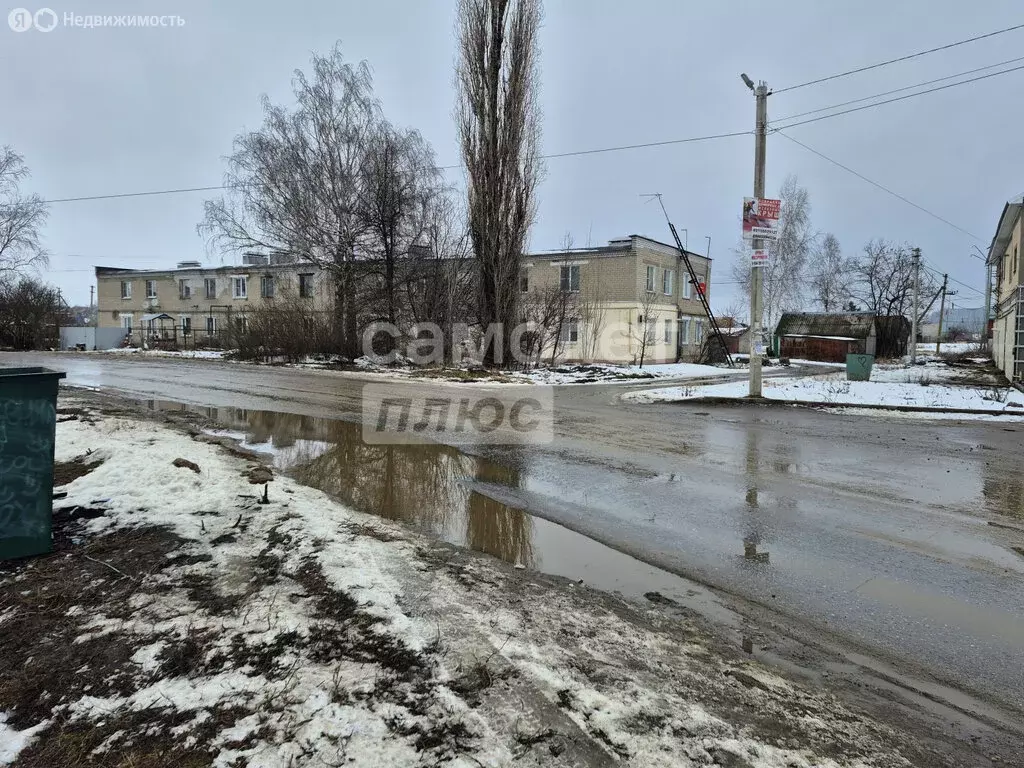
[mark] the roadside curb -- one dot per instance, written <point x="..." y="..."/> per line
<point x="822" y="404"/>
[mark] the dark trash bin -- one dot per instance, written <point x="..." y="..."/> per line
<point x="28" y="423"/>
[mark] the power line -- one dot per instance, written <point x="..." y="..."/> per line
<point x="873" y="183"/>
<point x="898" y="98"/>
<point x="900" y="90"/>
<point x="953" y="280"/>
<point x="557" y="155"/>
<point x="901" y="58"/>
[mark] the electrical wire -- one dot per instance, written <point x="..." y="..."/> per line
<point x="873" y="183"/>
<point x="557" y="155"/>
<point x="936" y="272"/>
<point x="901" y="58"/>
<point x="900" y="90"/>
<point x="898" y="98"/>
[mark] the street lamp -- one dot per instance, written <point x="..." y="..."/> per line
<point x="748" y="81"/>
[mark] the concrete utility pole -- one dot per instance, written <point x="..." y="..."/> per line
<point x="913" y="319"/>
<point x="942" y="311"/>
<point x="756" y="273"/>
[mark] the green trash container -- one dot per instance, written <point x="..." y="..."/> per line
<point x="28" y="423"/>
<point x="858" y="367"/>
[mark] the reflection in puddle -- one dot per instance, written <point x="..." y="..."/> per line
<point x="427" y="487"/>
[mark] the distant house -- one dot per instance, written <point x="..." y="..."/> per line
<point x="826" y="337"/>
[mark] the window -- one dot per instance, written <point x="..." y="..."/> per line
<point x="211" y="325"/>
<point x="126" y="289"/>
<point x="650" y="279"/>
<point x="267" y="286"/>
<point x="699" y="332"/>
<point x="687" y="288"/>
<point x="239" y="286"/>
<point x="524" y="281"/>
<point x="243" y="324"/>
<point x="668" y="331"/>
<point x="684" y="331"/>
<point x="186" y="325"/>
<point x="184" y="289"/>
<point x="151" y="289"/>
<point x="668" y="277"/>
<point x="569" y="277"/>
<point x="210" y="285"/>
<point x="126" y="321"/>
<point x="306" y="286"/>
<point x="570" y="331"/>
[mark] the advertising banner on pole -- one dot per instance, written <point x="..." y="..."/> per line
<point x="761" y="218"/>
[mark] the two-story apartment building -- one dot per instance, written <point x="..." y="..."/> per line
<point x="633" y="296"/>
<point x="1005" y="255"/>
<point x="195" y="304"/>
<point x="629" y="299"/>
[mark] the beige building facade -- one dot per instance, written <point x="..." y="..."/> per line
<point x="1005" y="255"/>
<point x="633" y="298"/>
<point x="629" y="300"/>
<point x="195" y="305"/>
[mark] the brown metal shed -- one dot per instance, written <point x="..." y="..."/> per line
<point x="826" y="337"/>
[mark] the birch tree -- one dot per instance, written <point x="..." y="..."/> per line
<point x="293" y="185"/>
<point x="498" y="119"/>
<point x="21" y="218"/>
<point x="830" y="274"/>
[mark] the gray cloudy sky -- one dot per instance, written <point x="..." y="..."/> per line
<point x="102" y="111"/>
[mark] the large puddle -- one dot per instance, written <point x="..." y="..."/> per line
<point x="428" y="487"/>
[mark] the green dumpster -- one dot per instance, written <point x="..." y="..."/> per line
<point x="28" y="421"/>
<point x="858" y="367"/>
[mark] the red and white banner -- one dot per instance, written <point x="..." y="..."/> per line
<point x="759" y="257"/>
<point x="761" y="218"/>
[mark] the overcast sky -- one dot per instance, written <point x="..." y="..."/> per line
<point x="104" y="111"/>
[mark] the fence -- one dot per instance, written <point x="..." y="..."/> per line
<point x="90" y="338"/>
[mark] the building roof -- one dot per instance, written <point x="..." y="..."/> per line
<point x="616" y="247"/>
<point x="847" y="325"/>
<point x="1004" y="231"/>
<point x="229" y="269"/>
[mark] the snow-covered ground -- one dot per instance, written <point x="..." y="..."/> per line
<point x="950" y="348"/>
<point x="196" y="354"/>
<point x="182" y="621"/>
<point x="834" y="389"/>
<point x="571" y="373"/>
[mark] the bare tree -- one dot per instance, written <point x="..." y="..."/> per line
<point x="294" y="184"/>
<point x="830" y="274"/>
<point x="437" y="285"/>
<point x="21" y="218"/>
<point x="785" y="275"/>
<point x="399" y="184"/>
<point x="30" y="314"/>
<point x="884" y="280"/>
<point x="547" y="311"/>
<point x="646" y="329"/>
<point x="591" y="306"/>
<point x="499" y="129"/>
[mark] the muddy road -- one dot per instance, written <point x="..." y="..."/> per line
<point x="899" y="537"/>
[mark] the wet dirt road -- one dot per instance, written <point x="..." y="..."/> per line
<point x="896" y="535"/>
